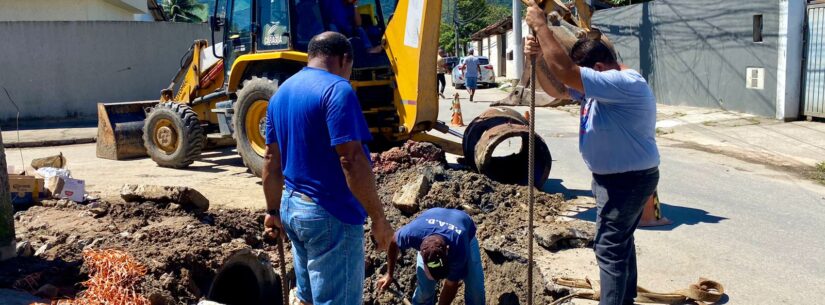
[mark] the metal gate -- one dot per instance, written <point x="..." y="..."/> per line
<point x="814" y="97"/>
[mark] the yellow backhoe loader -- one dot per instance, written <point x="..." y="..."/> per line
<point x="223" y="90"/>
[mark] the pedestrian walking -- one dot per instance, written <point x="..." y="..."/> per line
<point x="447" y="249"/>
<point x="472" y="70"/>
<point x="441" y="69"/>
<point x="617" y="142"/>
<point x="317" y="178"/>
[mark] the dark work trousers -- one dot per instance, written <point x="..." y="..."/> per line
<point x="442" y="83"/>
<point x="620" y="199"/>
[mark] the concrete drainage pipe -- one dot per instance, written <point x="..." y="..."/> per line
<point x="245" y="279"/>
<point x="484" y="141"/>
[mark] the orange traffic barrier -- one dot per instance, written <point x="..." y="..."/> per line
<point x="457" y="120"/>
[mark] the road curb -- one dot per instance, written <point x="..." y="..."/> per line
<point x="48" y="143"/>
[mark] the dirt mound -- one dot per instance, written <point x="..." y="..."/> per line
<point x="411" y="153"/>
<point x="499" y="210"/>
<point x="182" y="251"/>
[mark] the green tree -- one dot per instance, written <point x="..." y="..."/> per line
<point x="186" y="10"/>
<point x="472" y="16"/>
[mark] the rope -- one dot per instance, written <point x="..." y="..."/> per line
<point x="531" y="179"/>
<point x="702" y="292"/>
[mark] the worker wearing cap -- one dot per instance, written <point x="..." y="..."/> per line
<point x="447" y="249"/>
<point x="617" y="141"/>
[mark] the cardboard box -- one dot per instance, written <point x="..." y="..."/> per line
<point x="67" y="188"/>
<point x="26" y="190"/>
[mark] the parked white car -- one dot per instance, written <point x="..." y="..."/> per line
<point x="487" y="79"/>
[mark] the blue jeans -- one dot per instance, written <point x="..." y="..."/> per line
<point x="328" y="254"/>
<point x="473" y="284"/>
<point x="620" y="199"/>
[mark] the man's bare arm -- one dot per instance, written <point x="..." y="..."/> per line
<point x="558" y="61"/>
<point x="361" y="182"/>
<point x="392" y="258"/>
<point x="273" y="184"/>
<point x="272" y="177"/>
<point x="448" y="292"/>
<point x="548" y="82"/>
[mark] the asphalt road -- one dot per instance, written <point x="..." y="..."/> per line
<point x="753" y="228"/>
<point x="756" y="230"/>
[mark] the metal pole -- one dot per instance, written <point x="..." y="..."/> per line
<point x="7" y="242"/>
<point x="455" y="28"/>
<point x="518" y="45"/>
<point x="531" y="180"/>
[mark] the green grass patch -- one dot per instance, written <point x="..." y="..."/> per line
<point x="818" y="173"/>
<point x="664" y="131"/>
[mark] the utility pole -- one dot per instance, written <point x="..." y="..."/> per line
<point x="7" y="242"/>
<point x="518" y="45"/>
<point x="455" y="28"/>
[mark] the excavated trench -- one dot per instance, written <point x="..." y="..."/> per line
<point x="219" y="254"/>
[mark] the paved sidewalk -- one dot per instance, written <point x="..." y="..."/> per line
<point x="794" y="146"/>
<point x="48" y="137"/>
<point x="745" y="137"/>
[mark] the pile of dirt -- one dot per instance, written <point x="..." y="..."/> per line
<point x="500" y="212"/>
<point x="410" y="154"/>
<point x="181" y="250"/>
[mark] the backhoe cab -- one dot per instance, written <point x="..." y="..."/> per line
<point x="223" y="90"/>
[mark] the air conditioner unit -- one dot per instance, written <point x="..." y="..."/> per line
<point x="755" y="78"/>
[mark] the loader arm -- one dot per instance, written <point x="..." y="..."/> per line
<point x="411" y="44"/>
<point x="583" y="10"/>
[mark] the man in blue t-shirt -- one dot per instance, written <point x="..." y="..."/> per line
<point x="317" y="177"/>
<point x="472" y="71"/>
<point x="447" y="249"/>
<point x="617" y="142"/>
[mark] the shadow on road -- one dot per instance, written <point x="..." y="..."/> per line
<point x="678" y="214"/>
<point x="216" y="159"/>
<point x="684" y="216"/>
<point x="556" y="186"/>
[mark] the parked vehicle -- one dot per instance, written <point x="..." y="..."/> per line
<point x="487" y="78"/>
<point x="451" y="62"/>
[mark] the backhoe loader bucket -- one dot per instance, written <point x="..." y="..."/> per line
<point x="120" y="129"/>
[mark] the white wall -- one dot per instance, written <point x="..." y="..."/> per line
<point x="74" y="10"/>
<point x="67" y="67"/>
<point x="789" y="67"/>
<point x="511" y="67"/>
<point x="495" y="53"/>
<point x="476" y="46"/>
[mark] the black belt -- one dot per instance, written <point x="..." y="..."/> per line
<point x="643" y="172"/>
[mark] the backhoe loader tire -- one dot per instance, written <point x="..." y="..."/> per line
<point x="252" y="101"/>
<point x="172" y="135"/>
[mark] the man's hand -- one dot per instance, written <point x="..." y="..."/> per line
<point x="382" y="232"/>
<point x="273" y="228"/>
<point x="532" y="46"/>
<point x="536" y="18"/>
<point x="384" y="282"/>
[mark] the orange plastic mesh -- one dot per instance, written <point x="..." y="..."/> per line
<point x="113" y="277"/>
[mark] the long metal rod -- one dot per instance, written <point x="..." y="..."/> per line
<point x="518" y="56"/>
<point x="531" y="179"/>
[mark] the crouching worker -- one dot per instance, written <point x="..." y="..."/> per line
<point x="447" y="249"/>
